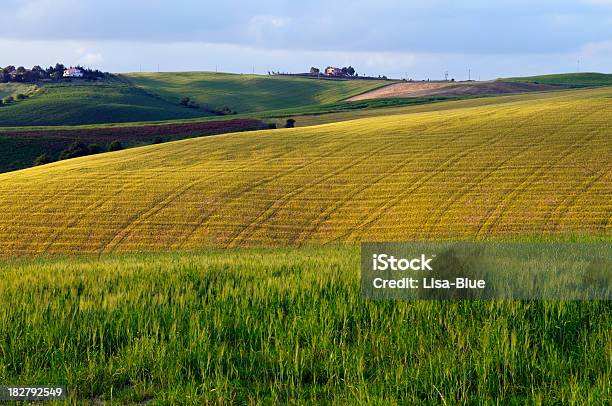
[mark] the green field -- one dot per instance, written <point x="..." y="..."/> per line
<point x="249" y="93"/>
<point x="572" y="79"/>
<point x="74" y="104"/>
<point x="281" y="326"/>
<point x="156" y="96"/>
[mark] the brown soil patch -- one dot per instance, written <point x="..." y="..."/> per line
<point x="453" y="89"/>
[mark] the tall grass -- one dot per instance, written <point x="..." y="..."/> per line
<point x="284" y="325"/>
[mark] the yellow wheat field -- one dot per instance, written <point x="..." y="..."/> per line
<point x="521" y="168"/>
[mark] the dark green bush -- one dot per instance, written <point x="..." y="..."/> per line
<point x="115" y="146"/>
<point x="43" y="159"/>
<point x="95" y="149"/>
<point x="76" y="149"/>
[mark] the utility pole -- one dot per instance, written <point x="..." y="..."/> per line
<point x="446" y="76"/>
<point x="469" y="75"/>
<point x="578" y="66"/>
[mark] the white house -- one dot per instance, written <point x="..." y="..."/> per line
<point x="73" y="73"/>
<point x="331" y="71"/>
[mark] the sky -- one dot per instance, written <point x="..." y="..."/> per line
<point x="401" y="39"/>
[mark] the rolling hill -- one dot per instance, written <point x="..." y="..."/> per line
<point x="20" y="147"/>
<point x="91" y="103"/>
<point x="156" y="96"/>
<point x="570" y="79"/>
<point x="249" y="93"/>
<point x="527" y="168"/>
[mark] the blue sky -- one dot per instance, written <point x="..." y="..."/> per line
<point x="417" y="39"/>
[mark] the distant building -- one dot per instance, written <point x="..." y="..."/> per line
<point x="331" y="71"/>
<point x="73" y="73"/>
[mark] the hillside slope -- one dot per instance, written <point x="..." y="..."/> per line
<point x="249" y="93"/>
<point x="91" y="103"/>
<point x="571" y="79"/>
<point x="525" y="168"/>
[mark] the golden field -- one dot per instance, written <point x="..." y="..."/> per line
<point x="527" y="167"/>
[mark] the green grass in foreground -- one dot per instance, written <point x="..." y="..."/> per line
<point x="284" y="325"/>
<point x="572" y="79"/>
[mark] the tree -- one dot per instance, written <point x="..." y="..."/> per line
<point x="187" y="102"/>
<point x="43" y="159"/>
<point x="115" y="146"/>
<point x="9" y="99"/>
<point x="95" y="149"/>
<point x="314" y="71"/>
<point x="290" y="123"/>
<point x="57" y="72"/>
<point x="38" y="73"/>
<point x="76" y="149"/>
<point x="56" y="75"/>
<point x="21" y="96"/>
<point x="158" y="140"/>
<point x="350" y="71"/>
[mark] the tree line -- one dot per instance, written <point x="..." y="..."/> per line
<point x="10" y="73"/>
<point x="79" y="148"/>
